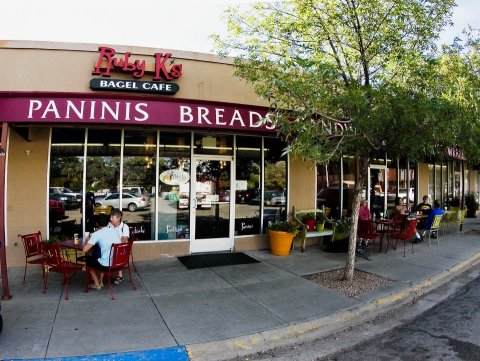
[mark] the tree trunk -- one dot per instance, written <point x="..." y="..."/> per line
<point x="362" y="167"/>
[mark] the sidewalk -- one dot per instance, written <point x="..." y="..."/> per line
<point x="217" y="313"/>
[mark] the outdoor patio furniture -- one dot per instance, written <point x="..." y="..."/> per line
<point x="54" y="262"/>
<point x="120" y="260"/>
<point x="32" y="244"/>
<point x="435" y="226"/>
<point x="406" y="235"/>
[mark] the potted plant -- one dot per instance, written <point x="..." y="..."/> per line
<point x="342" y="228"/>
<point x="309" y="220"/>
<point x="281" y="234"/>
<point x="471" y="204"/>
<point x="320" y="222"/>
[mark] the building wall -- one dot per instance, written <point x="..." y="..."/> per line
<point x="26" y="189"/>
<point x="62" y="67"/>
<point x="422" y="181"/>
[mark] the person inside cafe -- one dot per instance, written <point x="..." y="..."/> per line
<point x="104" y="237"/>
<point x="123" y="231"/>
<point x="437" y="210"/>
<point x="364" y="213"/>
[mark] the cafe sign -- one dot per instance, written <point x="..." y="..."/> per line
<point x="163" y="68"/>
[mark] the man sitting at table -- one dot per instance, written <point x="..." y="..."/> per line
<point x="428" y="222"/>
<point x="103" y="237"/>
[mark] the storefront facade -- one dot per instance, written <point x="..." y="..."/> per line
<point x="174" y="138"/>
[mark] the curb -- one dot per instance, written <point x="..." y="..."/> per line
<point x="324" y="326"/>
<point x="168" y="354"/>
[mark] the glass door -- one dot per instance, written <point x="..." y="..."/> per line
<point x="377" y="181"/>
<point x="211" y="204"/>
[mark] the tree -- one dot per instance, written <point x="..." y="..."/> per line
<point x="351" y="77"/>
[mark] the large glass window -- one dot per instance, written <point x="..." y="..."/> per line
<point x="66" y="181"/>
<point x="248" y="176"/>
<point x="174" y="186"/>
<point x="147" y="171"/>
<point x="102" y="173"/>
<point x="138" y="189"/>
<point x="275" y="181"/>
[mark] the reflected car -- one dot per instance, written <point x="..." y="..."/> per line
<point x="129" y="201"/>
<point x="330" y="197"/>
<point x="272" y="198"/>
<point x="77" y="197"/>
<point x="402" y="193"/>
<point x="252" y="196"/>
<point x="56" y="209"/>
<point x="69" y="201"/>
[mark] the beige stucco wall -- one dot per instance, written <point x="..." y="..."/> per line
<point x="26" y="210"/>
<point x="303" y="178"/>
<point x="63" y="67"/>
<point x="422" y="181"/>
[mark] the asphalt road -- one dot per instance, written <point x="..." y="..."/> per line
<point x="442" y="326"/>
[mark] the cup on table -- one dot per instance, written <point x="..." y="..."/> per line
<point x="76" y="239"/>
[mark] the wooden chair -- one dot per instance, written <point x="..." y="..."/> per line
<point x="434" y="227"/>
<point x="54" y="262"/>
<point x="120" y="260"/>
<point x="32" y="245"/>
<point x="405" y="235"/>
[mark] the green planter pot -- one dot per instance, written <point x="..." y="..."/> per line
<point x="320" y="226"/>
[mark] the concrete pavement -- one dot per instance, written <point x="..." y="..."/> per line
<point x="218" y="313"/>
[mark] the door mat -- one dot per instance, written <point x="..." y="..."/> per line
<point x="205" y="260"/>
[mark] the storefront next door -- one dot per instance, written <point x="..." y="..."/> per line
<point x="211" y="204"/>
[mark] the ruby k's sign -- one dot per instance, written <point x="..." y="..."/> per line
<point x="61" y="109"/>
<point x="164" y="71"/>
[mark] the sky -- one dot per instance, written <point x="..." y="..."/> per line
<point x="172" y="25"/>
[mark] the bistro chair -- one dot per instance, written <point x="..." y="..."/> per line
<point x="133" y="237"/>
<point x="406" y="235"/>
<point x="120" y="260"/>
<point x="460" y="221"/>
<point x="32" y="245"/>
<point x="434" y="228"/>
<point x="54" y="262"/>
<point x="367" y="232"/>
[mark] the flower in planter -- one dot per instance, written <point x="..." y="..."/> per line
<point x="285" y="226"/>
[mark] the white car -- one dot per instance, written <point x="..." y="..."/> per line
<point x="129" y="201"/>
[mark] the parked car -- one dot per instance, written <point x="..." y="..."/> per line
<point x="77" y="197"/>
<point x="129" y="201"/>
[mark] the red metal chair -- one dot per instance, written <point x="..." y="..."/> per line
<point x="133" y="237"/>
<point x="32" y="244"/>
<point x="367" y="231"/>
<point x="120" y="260"/>
<point x="54" y="262"/>
<point x="405" y="235"/>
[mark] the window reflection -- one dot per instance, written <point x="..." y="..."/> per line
<point x="102" y="173"/>
<point x="138" y="189"/>
<point x="174" y="186"/>
<point x="275" y="192"/>
<point x="66" y="181"/>
<point x="247" y="195"/>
